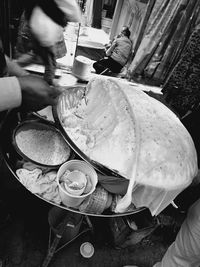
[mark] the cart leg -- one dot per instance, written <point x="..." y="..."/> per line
<point x="51" y="251"/>
<point x="67" y="222"/>
<point x="52" y="248"/>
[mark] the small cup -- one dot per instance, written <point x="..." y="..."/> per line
<point x="68" y="199"/>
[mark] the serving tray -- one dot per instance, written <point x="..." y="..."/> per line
<point x="10" y="156"/>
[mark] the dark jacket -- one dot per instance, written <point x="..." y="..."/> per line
<point x="50" y="8"/>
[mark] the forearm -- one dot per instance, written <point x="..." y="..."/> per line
<point x="10" y="93"/>
<point x="14" y="69"/>
<point x="110" y="50"/>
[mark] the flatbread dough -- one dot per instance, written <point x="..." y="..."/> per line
<point x="128" y="131"/>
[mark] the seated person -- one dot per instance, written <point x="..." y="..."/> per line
<point x="117" y="54"/>
<point x="115" y="37"/>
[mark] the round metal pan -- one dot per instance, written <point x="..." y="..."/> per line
<point x="8" y="152"/>
<point x="37" y="123"/>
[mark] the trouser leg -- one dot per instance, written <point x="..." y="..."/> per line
<point x="100" y="65"/>
<point x="48" y="57"/>
<point x="49" y="60"/>
<point x="50" y="66"/>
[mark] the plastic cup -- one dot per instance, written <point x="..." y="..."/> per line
<point x="68" y="199"/>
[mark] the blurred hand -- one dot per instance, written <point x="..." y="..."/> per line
<point x="36" y="93"/>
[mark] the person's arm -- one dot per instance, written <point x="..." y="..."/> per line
<point x="30" y="92"/>
<point x="10" y="93"/>
<point x="14" y="69"/>
<point x="110" y="50"/>
<point x="36" y="93"/>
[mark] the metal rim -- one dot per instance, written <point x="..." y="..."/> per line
<point x="48" y="124"/>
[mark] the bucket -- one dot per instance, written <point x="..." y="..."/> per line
<point x="55" y="218"/>
<point x="82" y="67"/>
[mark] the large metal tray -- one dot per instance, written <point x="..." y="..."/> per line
<point x="10" y="156"/>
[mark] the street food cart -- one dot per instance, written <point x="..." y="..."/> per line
<point x="70" y="99"/>
<point x="11" y="158"/>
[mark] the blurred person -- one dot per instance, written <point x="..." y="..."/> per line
<point x="44" y="22"/>
<point x="17" y="87"/>
<point x="117" y="53"/>
<point x="26" y="47"/>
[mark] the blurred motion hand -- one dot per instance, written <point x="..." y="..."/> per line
<point x="36" y="93"/>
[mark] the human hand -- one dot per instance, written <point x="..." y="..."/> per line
<point x="36" y="93"/>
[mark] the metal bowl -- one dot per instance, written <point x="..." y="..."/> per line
<point x="24" y="150"/>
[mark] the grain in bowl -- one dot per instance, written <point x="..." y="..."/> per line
<point x="41" y="143"/>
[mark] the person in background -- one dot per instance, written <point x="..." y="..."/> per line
<point x="107" y="46"/>
<point x="117" y="53"/>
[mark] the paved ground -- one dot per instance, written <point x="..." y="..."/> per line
<point x="24" y="240"/>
